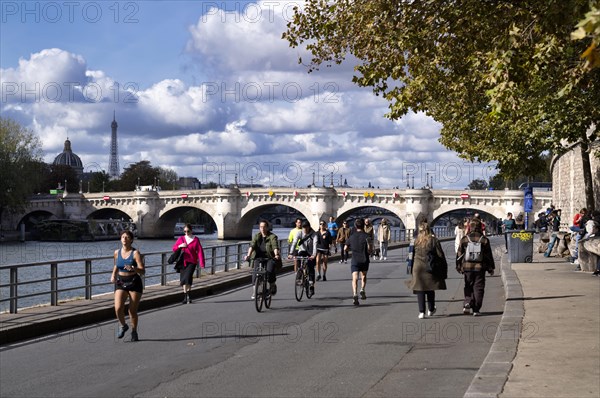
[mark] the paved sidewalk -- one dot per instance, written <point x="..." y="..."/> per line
<point x="559" y="349"/>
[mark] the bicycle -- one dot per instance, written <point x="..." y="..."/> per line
<point x="301" y="282"/>
<point x="261" y="291"/>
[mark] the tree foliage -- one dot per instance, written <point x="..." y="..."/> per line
<point x="589" y="27"/>
<point x="20" y="159"/>
<point x="502" y="77"/>
<point x="140" y="173"/>
<point x="478" y="184"/>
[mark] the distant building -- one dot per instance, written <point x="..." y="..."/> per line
<point x="68" y="158"/>
<point x="188" y="183"/>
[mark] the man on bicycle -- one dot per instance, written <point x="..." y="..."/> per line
<point x="291" y="237"/>
<point x="265" y="245"/>
<point x="305" y="245"/>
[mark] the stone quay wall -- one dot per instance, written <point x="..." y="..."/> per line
<point x="568" y="191"/>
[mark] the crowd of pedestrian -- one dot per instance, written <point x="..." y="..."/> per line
<point x="427" y="261"/>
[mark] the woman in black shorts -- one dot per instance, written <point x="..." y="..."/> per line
<point x="129" y="265"/>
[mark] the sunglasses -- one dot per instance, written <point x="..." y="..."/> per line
<point x="186" y="231"/>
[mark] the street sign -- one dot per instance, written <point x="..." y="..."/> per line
<point x="106" y="198"/>
<point x="528" y="205"/>
<point x="464" y="196"/>
<point x="184" y="196"/>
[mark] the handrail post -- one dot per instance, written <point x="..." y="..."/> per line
<point x="240" y="256"/>
<point x="163" y="269"/>
<point x="213" y="259"/>
<point x="53" y="283"/>
<point x="88" y="279"/>
<point x="13" y="289"/>
<point x="227" y="258"/>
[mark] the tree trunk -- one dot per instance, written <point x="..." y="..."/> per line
<point x="587" y="176"/>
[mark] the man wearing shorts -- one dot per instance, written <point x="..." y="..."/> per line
<point x="361" y="246"/>
<point x="332" y="227"/>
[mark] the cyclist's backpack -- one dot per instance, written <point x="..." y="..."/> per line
<point x="473" y="253"/>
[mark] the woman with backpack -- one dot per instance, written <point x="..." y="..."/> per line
<point x="473" y="259"/>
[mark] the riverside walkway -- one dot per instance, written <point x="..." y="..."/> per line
<point x="220" y="346"/>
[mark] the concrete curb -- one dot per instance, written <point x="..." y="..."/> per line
<point x="493" y="373"/>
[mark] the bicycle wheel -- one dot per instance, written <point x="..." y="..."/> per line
<point x="299" y="285"/>
<point x="259" y="297"/>
<point x="267" y="294"/>
<point x="307" y="287"/>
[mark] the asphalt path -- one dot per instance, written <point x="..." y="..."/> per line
<point x="220" y="346"/>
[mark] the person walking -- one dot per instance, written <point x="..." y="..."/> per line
<point x="370" y="231"/>
<point x="384" y="235"/>
<point x="473" y="260"/>
<point x="361" y="246"/>
<point x="193" y="254"/>
<point x="265" y="244"/>
<point x="342" y="237"/>
<point x="555" y="226"/>
<point x="128" y="266"/>
<point x="332" y="227"/>
<point x="324" y="240"/>
<point x="507" y="225"/>
<point x="459" y="232"/>
<point x="424" y="283"/>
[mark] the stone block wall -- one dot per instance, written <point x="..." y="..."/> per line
<point x="568" y="192"/>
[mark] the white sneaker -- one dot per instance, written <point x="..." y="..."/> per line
<point x="430" y="313"/>
<point x="476" y="313"/>
<point x="385" y="259"/>
<point x="421" y="315"/>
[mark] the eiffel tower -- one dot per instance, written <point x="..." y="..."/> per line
<point x="113" y="162"/>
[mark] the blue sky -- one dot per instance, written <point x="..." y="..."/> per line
<point x="204" y="87"/>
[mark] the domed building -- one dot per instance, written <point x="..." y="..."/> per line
<point x="68" y="158"/>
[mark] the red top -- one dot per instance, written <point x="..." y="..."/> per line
<point x="577" y="219"/>
<point x="193" y="253"/>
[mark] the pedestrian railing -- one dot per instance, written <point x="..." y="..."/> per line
<point x="30" y="284"/>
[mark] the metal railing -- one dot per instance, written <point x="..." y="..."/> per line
<point x="63" y="279"/>
<point x="85" y="277"/>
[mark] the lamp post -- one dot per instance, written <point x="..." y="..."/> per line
<point x="407" y="181"/>
<point x="313" y="181"/>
